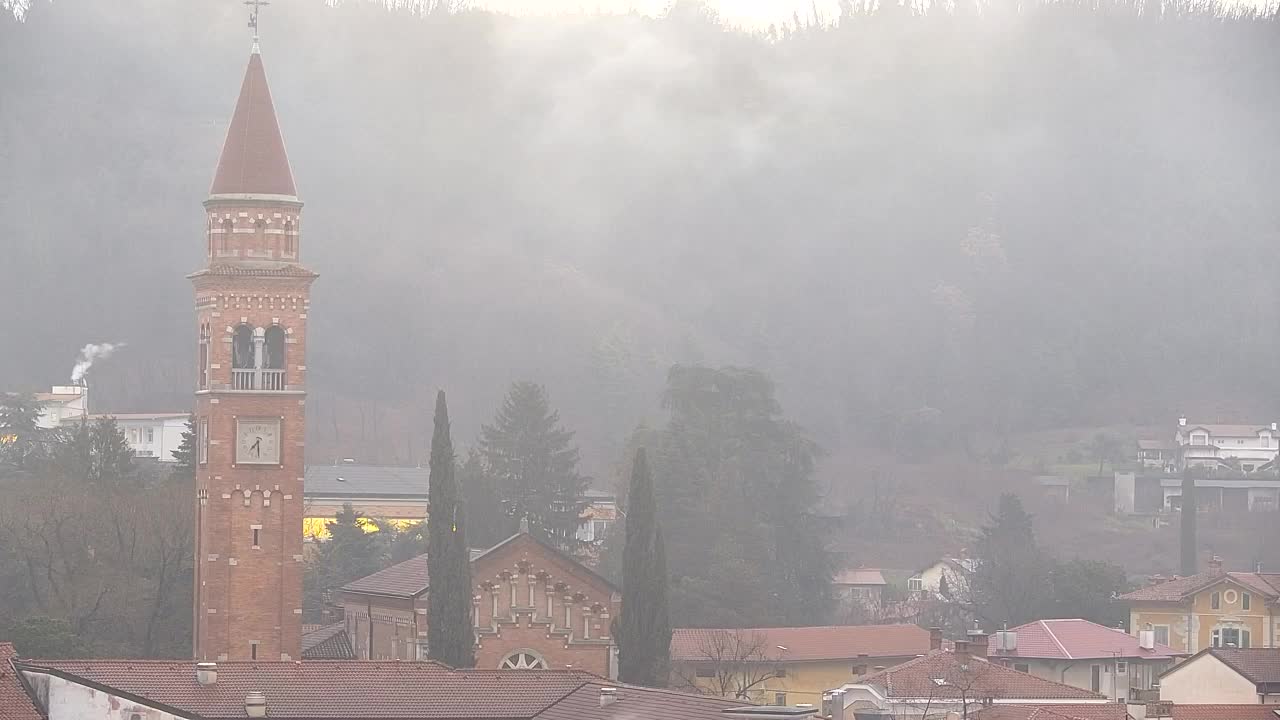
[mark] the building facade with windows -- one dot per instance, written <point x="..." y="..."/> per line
<point x="1246" y="448"/>
<point x="534" y="607"/>
<point x="1225" y="675"/>
<point x="1125" y="668"/>
<point x="151" y="435"/>
<point x="1211" y="609"/>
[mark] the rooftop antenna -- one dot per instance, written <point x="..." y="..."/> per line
<point x="254" y="7"/>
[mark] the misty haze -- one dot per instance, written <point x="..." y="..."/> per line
<point x="668" y="359"/>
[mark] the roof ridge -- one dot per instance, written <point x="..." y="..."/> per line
<point x="1056" y="641"/>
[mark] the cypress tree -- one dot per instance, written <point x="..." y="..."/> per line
<point x="644" y="632"/>
<point x="450" y="637"/>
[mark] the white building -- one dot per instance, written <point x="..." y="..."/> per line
<point x="151" y="435"/>
<point x="1249" y="676"/>
<point x="62" y="403"/>
<point x="1246" y="448"/>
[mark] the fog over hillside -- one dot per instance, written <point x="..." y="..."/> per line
<point x="922" y="226"/>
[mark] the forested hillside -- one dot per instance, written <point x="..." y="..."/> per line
<point x="920" y="225"/>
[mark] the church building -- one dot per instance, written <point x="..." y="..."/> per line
<point x="251" y="304"/>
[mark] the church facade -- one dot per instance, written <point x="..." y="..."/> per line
<point x="533" y="607"/>
<point x="251" y="304"/>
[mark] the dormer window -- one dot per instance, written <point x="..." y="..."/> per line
<point x="1199" y="439"/>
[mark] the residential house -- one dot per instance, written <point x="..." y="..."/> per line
<point x="1209" y="609"/>
<point x="14" y="702"/>
<point x="959" y="681"/>
<point x="1123" y="667"/>
<point x="399" y="494"/>
<point x="61" y="404"/>
<point x="1243" y="448"/>
<point x="786" y="665"/>
<point x="1225" y="675"/>
<point x="944" y="577"/>
<point x="350" y="690"/>
<point x="859" y="587"/>
<point x="534" y="607"/>
<point x="151" y="435"/>
<point x="1158" y="454"/>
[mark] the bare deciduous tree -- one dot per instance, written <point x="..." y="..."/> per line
<point x="731" y="663"/>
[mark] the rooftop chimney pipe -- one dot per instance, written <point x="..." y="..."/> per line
<point x="935" y="638"/>
<point x="608" y="696"/>
<point x="978" y="643"/>
<point x="206" y="673"/>
<point x="255" y="705"/>
<point x="1215" y="565"/>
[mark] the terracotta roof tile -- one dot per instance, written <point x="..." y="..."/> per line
<point x="14" y="703"/>
<point x="1178" y="589"/>
<point x="1075" y="638"/>
<point x="1259" y="665"/>
<point x="406" y="579"/>
<point x="940" y="675"/>
<point x="859" y="576"/>
<point x="253" y="158"/>
<point x="1064" y="711"/>
<point x="327" y="642"/>
<point x="1225" y="712"/>
<point x="387" y="691"/>
<point x="636" y="702"/>
<point x="805" y="643"/>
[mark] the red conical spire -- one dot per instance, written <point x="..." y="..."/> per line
<point x="253" y="159"/>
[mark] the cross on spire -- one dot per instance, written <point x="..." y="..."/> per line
<point x="254" y="7"/>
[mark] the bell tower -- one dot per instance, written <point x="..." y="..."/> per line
<point x="251" y="303"/>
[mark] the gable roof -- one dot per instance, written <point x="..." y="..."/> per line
<point x="859" y="576"/>
<point x="14" y="703"/>
<point x="1069" y="639"/>
<point x="350" y="690"/>
<point x="940" y="675"/>
<point x="1063" y="711"/>
<point x="328" y="642"/>
<point x="841" y="642"/>
<point x="253" y="159"/>
<point x="1227" y="430"/>
<point x="1260" y="666"/>
<point x="1224" y="712"/>
<point x="409" y="578"/>
<point x="1179" y="589"/>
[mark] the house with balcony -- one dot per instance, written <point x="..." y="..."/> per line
<point x="1230" y="448"/>
<point x="150" y="435"/>
<point x="1125" y="668"/>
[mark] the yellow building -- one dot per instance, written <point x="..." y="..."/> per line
<point x="1210" y="609"/>
<point x="789" y="665"/>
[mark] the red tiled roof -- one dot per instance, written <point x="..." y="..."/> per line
<point x="1064" y="711"/>
<point x="1074" y="639"/>
<point x="327" y="642"/>
<point x="635" y="702"/>
<point x="1178" y="589"/>
<point x="253" y="159"/>
<point x="838" y="642"/>
<point x="1225" y="712"/>
<point x="406" y="579"/>
<point x="14" y="703"/>
<point x="940" y="675"/>
<point x="386" y="691"/>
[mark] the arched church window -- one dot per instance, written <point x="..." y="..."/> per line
<point x="523" y="660"/>
<point x="274" y="348"/>
<point x="242" y="348"/>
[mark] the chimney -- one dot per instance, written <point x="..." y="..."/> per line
<point x="1182" y="421"/>
<point x="206" y="673"/>
<point x="978" y="643"/>
<point x="833" y="705"/>
<point x="608" y="696"/>
<point x="255" y="705"/>
<point x="935" y="638"/>
<point x="1215" y="565"/>
<point x="1273" y="427"/>
<point x="962" y="652"/>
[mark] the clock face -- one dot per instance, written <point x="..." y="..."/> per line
<point x="258" y="442"/>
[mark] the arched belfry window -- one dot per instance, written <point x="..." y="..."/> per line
<point x="273" y="350"/>
<point x="243" y="360"/>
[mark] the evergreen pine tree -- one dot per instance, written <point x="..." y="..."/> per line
<point x="19" y="430"/>
<point x="450" y="637"/>
<point x="534" y="465"/>
<point x="184" y="465"/>
<point x="644" y="628"/>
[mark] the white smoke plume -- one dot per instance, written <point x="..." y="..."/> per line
<point x="90" y="353"/>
